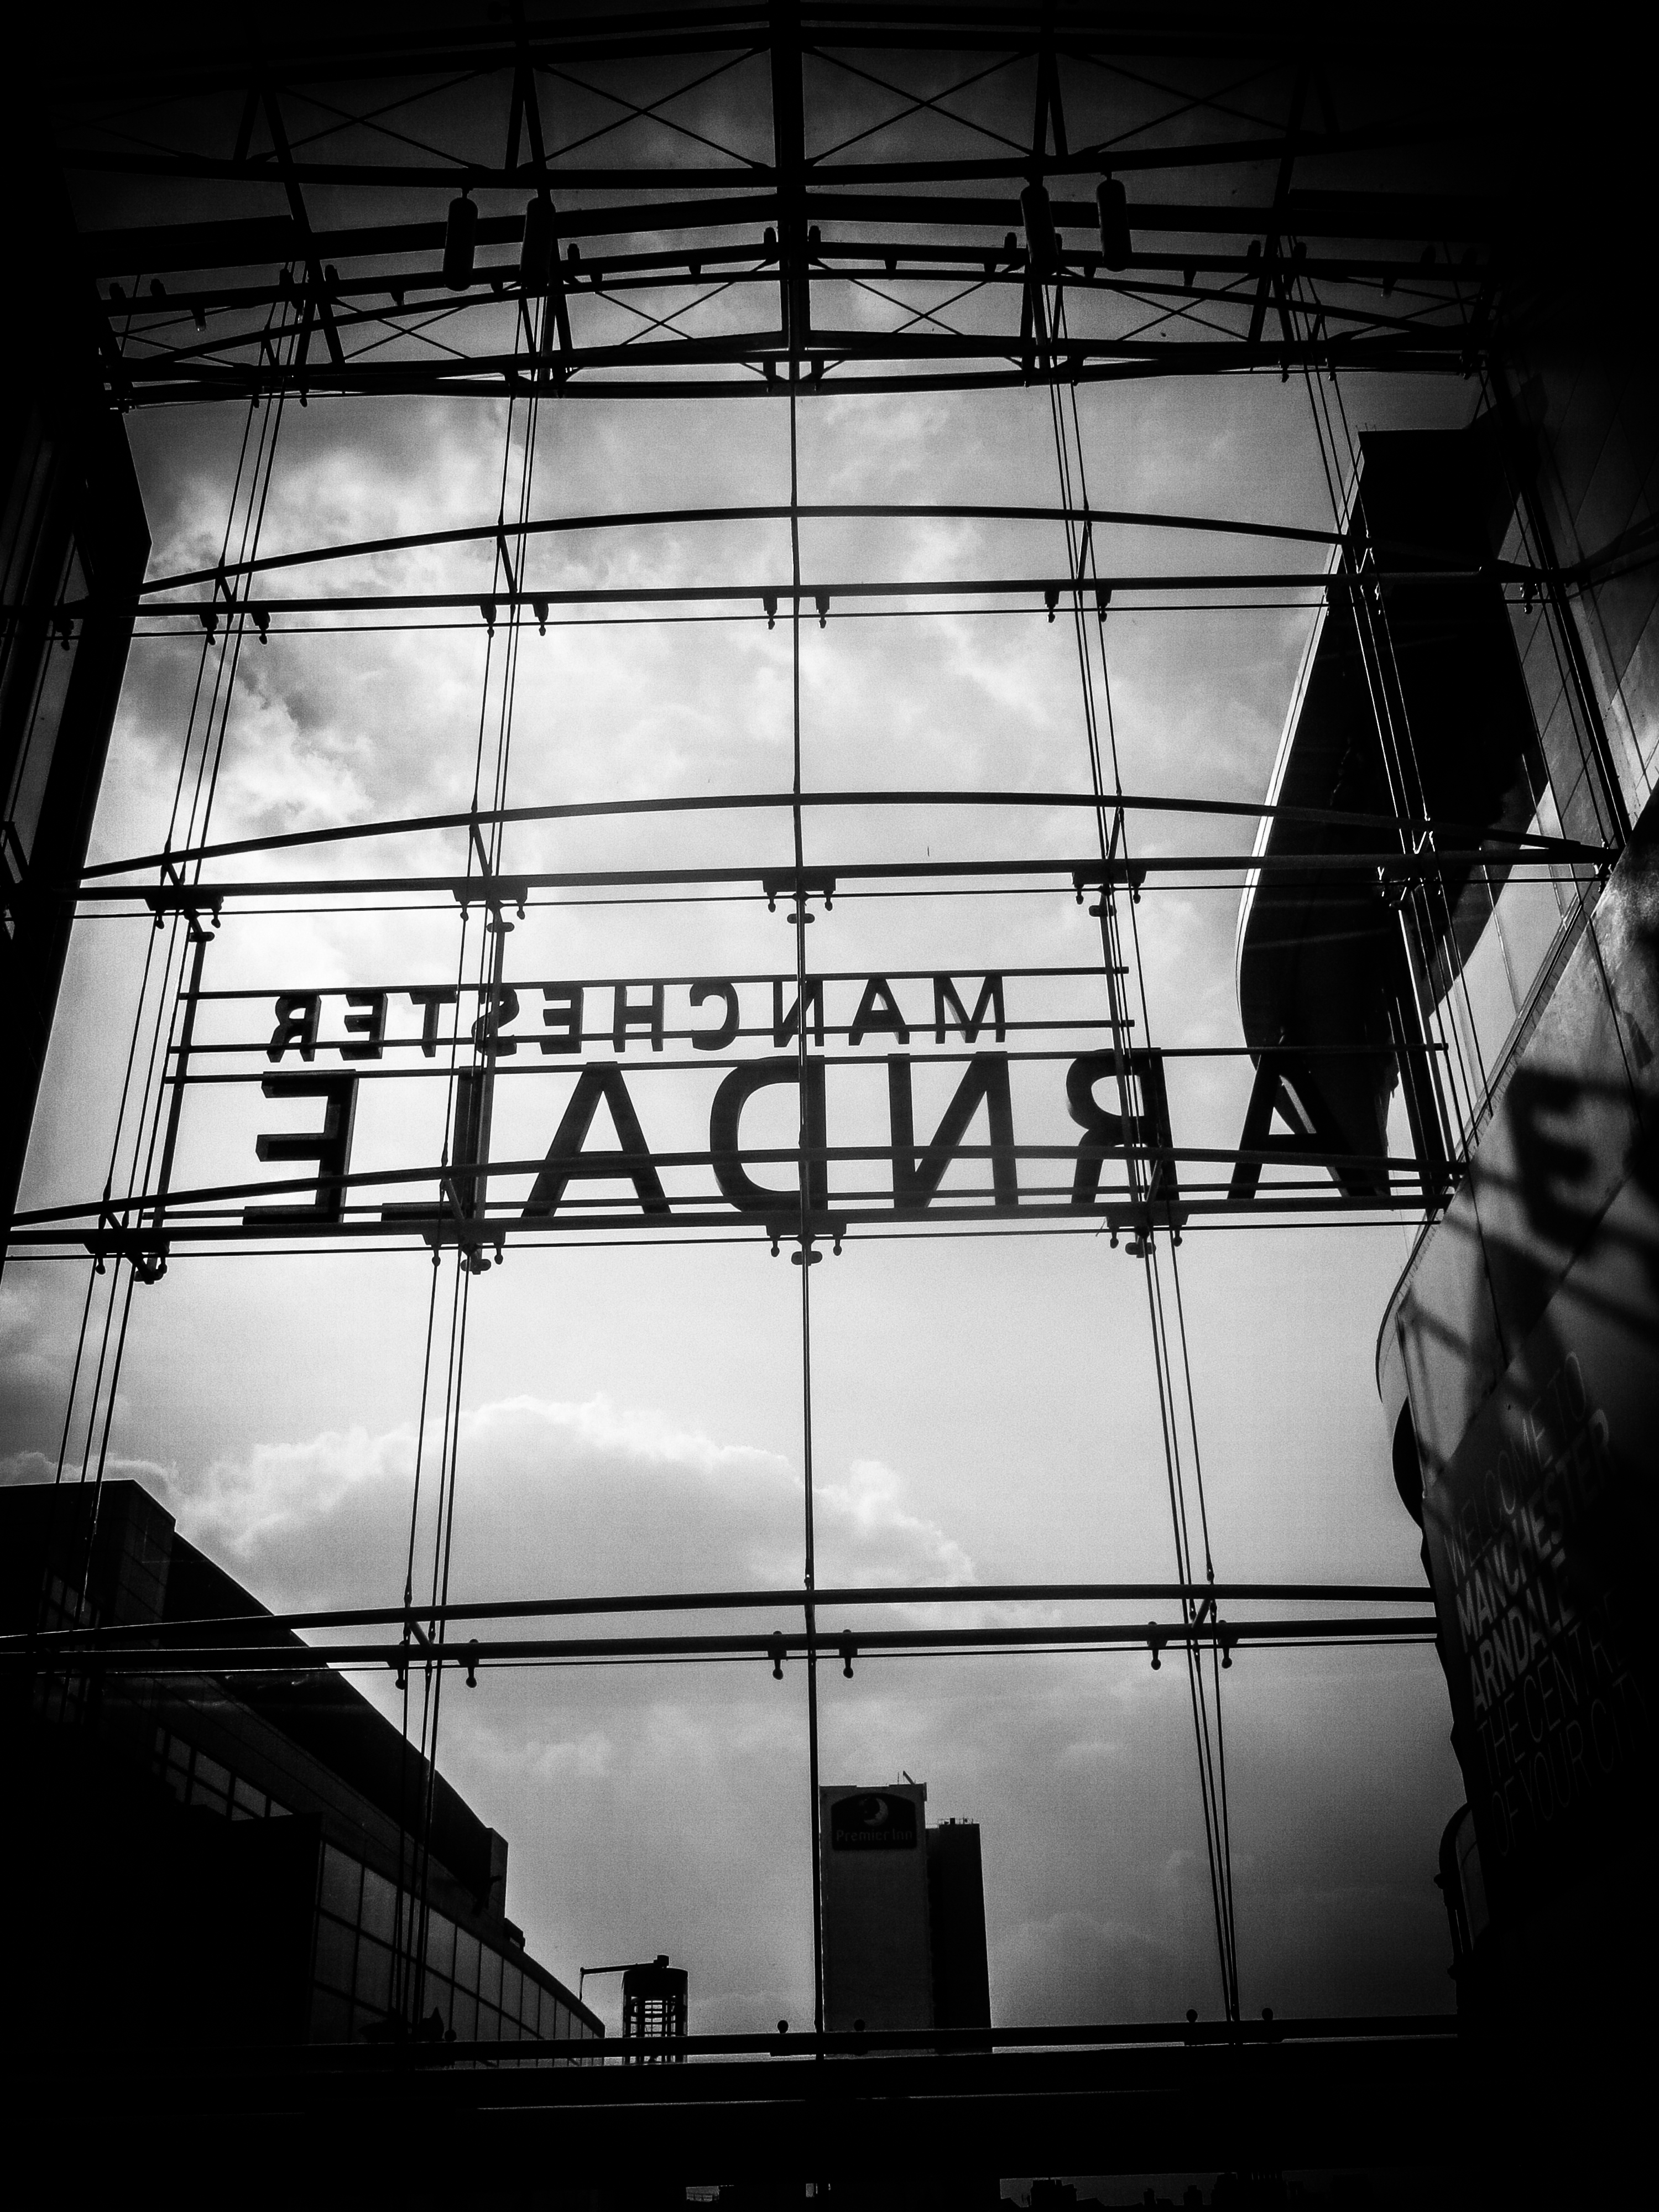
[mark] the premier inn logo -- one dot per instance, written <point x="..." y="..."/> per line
<point x="872" y="1822"/>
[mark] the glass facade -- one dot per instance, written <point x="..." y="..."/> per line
<point x="40" y="722"/>
<point x="1593" y="440"/>
<point x="62" y="1697"/>
<point x="1494" y="987"/>
<point x="195" y="1779"/>
<point x="482" y="1992"/>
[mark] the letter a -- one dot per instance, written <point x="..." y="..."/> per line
<point x="566" y="1156"/>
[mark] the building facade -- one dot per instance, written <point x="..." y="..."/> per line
<point x="903" y="1913"/>
<point x="238" y="1857"/>
<point x="1488" y="663"/>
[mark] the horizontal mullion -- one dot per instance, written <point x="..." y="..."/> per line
<point x="778" y="880"/>
<point x="1519" y="842"/>
<point x="244" y="1657"/>
<point x="490" y="534"/>
<point x="1124" y="1218"/>
<point x="459" y="379"/>
<point x="787" y="596"/>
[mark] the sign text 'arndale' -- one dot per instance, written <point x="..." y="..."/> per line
<point x="565" y="1019"/>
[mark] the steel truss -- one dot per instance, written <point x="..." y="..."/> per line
<point x="857" y="225"/>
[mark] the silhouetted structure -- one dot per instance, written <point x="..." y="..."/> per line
<point x="654" y="2010"/>
<point x="1511" y="684"/>
<point x="956" y="1919"/>
<point x="73" y="546"/>
<point x="903" y="1913"/>
<point x="257" y="1858"/>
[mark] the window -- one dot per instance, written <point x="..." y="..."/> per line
<point x="35" y="757"/>
<point x="210" y="1784"/>
<point x="374" y="1977"/>
<point x="247" y="1803"/>
<point x="489" y="1975"/>
<point x="467" y="1962"/>
<point x="193" y="1778"/>
<point x="380" y="1906"/>
<point x="173" y="1760"/>
<point x="342" y="1885"/>
<point x="335" y="1946"/>
<point x="439" y="1944"/>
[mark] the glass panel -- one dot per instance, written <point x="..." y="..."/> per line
<point x="439" y="1943"/>
<point x="1483" y="1001"/>
<point x="202" y="1791"/>
<point x="246" y="1803"/>
<point x="489" y="2024"/>
<point x="34" y="765"/>
<point x="216" y="1777"/>
<point x="279" y="1812"/>
<point x="177" y="1753"/>
<point x="465" y="2020"/>
<point x="1529" y="918"/>
<point x="489" y="1975"/>
<point x="512" y="1991"/>
<point x="335" y="1946"/>
<point x="374" y="1983"/>
<point x="466" y="1961"/>
<point x="379" y="1904"/>
<point x="331" y="2018"/>
<point x="342" y="1883"/>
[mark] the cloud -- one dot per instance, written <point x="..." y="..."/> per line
<point x="1074" y="1966"/>
<point x="22" y="1467"/>
<point x="552" y="1497"/>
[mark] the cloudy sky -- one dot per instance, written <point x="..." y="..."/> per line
<point x="985" y="1409"/>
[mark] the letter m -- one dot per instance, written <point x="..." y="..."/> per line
<point x="990" y="1000"/>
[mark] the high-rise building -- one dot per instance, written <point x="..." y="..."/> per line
<point x="956" y="1905"/>
<point x="903" y="1913"/>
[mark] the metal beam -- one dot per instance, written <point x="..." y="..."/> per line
<point x="318" y="300"/>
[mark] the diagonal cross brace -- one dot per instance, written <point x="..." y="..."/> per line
<point x="317" y="289"/>
<point x="1271" y="271"/>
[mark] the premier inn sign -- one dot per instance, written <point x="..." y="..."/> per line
<point x="468" y="1114"/>
<point x="872" y="1822"/>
